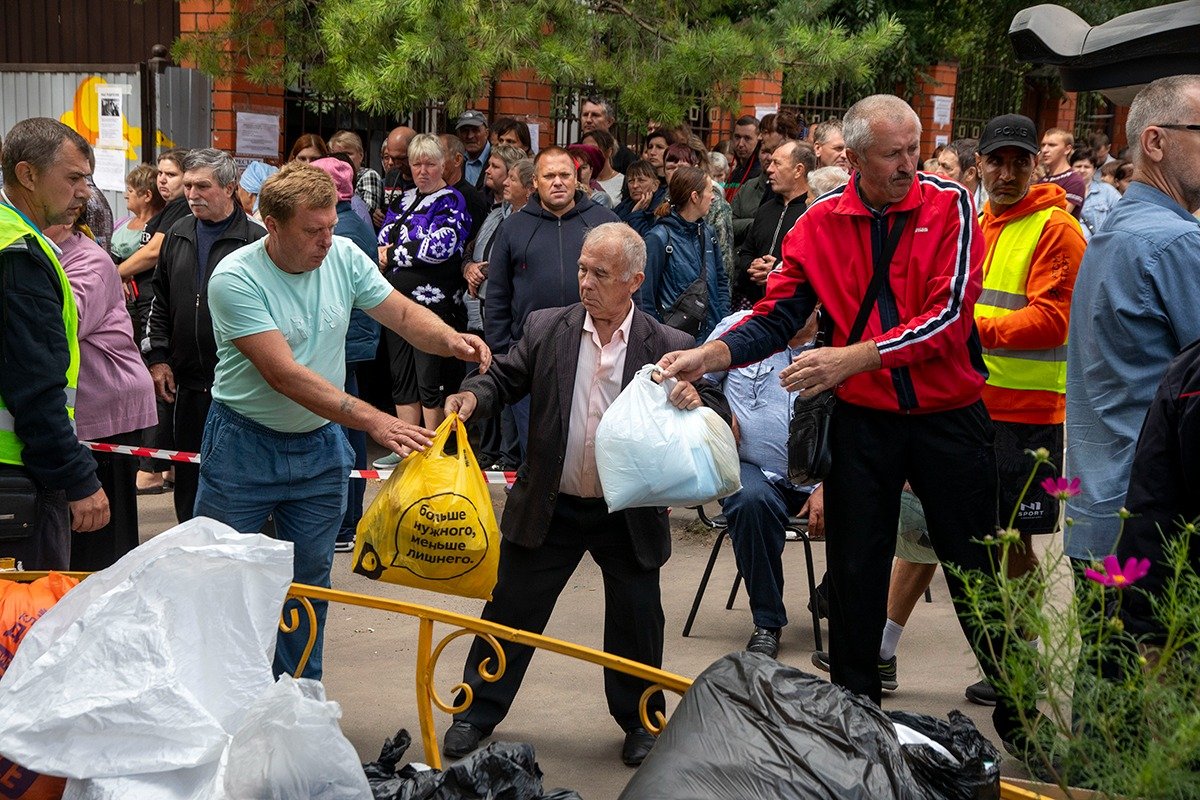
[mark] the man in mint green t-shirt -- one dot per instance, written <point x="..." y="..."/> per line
<point x="280" y="310"/>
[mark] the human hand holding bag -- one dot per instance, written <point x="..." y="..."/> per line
<point x="432" y="525"/>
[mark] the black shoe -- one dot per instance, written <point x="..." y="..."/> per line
<point x="344" y="544"/>
<point x="461" y="739"/>
<point x="887" y="669"/>
<point x="1041" y="754"/>
<point x="637" y="746"/>
<point x="765" y="641"/>
<point x="981" y="694"/>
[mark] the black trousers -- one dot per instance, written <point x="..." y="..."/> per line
<point x="97" y="550"/>
<point x="529" y="584"/>
<point x="949" y="460"/>
<point x="189" y="413"/>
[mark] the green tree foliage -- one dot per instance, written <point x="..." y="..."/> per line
<point x="659" y="55"/>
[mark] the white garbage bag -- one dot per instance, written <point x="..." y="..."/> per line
<point x="649" y="453"/>
<point x="150" y="665"/>
<point x="290" y="746"/>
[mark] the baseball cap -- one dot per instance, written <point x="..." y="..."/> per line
<point x="470" y="118"/>
<point x="1009" y="130"/>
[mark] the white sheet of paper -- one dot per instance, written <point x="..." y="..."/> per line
<point x="762" y="111"/>
<point x="535" y="129"/>
<point x="257" y="134"/>
<point x="940" y="140"/>
<point x="942" y="107"/>
<point x="110" y="168"/>
<point x="110" y="100"/>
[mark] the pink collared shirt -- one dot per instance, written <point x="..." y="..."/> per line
<point x="597" y="384"/>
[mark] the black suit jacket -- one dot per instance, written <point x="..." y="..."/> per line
<point x="542" y="365"/>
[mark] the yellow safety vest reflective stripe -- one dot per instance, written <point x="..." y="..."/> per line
<point x="1005" y="273"/>
<point x="15" y="231"/>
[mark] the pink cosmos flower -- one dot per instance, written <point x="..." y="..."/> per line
<point x="1116" y="577"/>
<point x="1061" y="488"/>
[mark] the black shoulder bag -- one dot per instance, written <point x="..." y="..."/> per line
<point x="688" y="311"/>
<point x="809" y="455"/>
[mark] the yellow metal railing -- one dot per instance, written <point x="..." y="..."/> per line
<point x="491" y="632"/>
<point x="428" y="655"/>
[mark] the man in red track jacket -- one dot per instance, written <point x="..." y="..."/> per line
<point x="909" y="393"/>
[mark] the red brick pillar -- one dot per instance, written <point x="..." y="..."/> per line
<point x="934" y="103"/>
<point x="1065" y="116"/>
<point x="758" y="91"/>
<point x="233" y="94"/>
<point x="522" y="95"/>
<point x="1119" y="140"/>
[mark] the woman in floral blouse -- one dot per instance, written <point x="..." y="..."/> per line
<point x="420" y="250"/>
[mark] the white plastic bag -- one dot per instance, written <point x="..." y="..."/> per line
<point x="649" y="453"/>
<point x="150" y="665"/>
<point x="290" y="746"/>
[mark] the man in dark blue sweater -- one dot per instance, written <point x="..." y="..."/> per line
<point x="534" y="262"/>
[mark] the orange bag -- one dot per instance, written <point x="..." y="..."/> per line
<point x="21" y="604"/>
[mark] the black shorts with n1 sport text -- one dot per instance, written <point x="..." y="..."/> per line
<point x="1038" y="512"/>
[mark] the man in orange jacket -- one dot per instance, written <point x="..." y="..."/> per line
<point x="1034" y="247"/>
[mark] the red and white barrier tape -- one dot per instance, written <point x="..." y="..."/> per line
<point x="496" y="478"/>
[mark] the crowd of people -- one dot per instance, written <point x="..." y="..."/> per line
<point x="271" y="318"/>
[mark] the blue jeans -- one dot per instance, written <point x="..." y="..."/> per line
<point x="757" y="514"/>
<point x="248" y="471"/>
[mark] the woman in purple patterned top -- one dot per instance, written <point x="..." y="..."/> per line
<point x="421" y="249"/>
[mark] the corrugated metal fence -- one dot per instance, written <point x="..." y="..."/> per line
<point x="70" y="97"/>
<point x="68" y="93"/>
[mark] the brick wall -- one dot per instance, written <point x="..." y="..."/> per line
<point x="942" y="81"/>
<point x="229" y="95"/>
<point x="761" y="90"/>
<point x="523" y="96"/>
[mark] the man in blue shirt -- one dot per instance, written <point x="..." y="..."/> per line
<point x="759" y="510"/>
<point x="1134" y="308"/>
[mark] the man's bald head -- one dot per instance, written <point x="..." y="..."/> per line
<point x="395" y="150"/>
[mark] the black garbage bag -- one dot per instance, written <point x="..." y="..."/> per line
<point x="500" y="771"/>
<point x="976" y="776"/>
<point x="753" y="727"/>
<point x="389" y="756"/>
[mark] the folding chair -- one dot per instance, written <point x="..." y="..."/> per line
<point x="796" y="530"/>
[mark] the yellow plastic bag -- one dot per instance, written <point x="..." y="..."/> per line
<point x="432" y="525"/>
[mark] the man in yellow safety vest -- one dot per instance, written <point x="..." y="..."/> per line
<point x="48" y="483"/>
<point x="1034" y="247"/>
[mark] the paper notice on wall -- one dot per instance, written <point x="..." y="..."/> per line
<point x="535" y="129"/>
<point x="942" y="106"/>
<point x="941" y="139"/>
<point x="762" y="111"/>
<point x="110" y="98"/>
<point x="257" y="134"/>
<point x="109" y="174"/>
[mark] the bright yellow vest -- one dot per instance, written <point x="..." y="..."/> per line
<point x="13" y="232"/>
<point x="1005" y="273"/>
